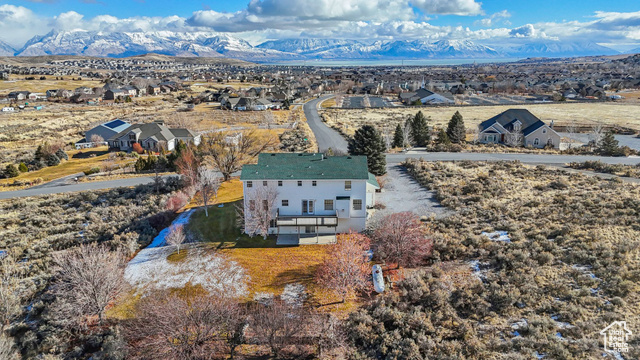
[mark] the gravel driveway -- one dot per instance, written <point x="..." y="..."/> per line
<point x="402" y="193"/>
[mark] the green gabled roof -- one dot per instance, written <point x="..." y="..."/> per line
<point x="373" y="181"/>
<point x="304" y="166"/>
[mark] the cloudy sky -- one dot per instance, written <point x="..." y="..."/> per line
<point x="611" y="23"/>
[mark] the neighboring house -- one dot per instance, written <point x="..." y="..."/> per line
<point x="570" y="94"/>
<point x="115" y="94"/>
<point x="153" y="90"/>
<point x="152" y="136"/>
<point x="426" y="97"/>
<point x="130" y="91"/>
<point x="107" y="130"/>
<point x="8" y="109"/>
<point x="316" y="195"/>
<point x="502" y="127"/>
<point x="18" y="95"/>
<point x="52" y="93"/>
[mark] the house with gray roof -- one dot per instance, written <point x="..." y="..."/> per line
<point x="152" y="136"/>
<point x="316" y="197"/>
<point x="105" y="131"/>
<point x="518" y="124"/>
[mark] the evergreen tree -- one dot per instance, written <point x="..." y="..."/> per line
<point x="608" y="144"/>
<point x="398" y="139"/>
<point x="62" y="155"/>
<point x="420" y="130"/>
<point x="368" y="141"/>
<point x="23" y="167"/>
<point x="456" y="130"/>
<point x="11" y="171"/>
<point x="443" y="138"/>
<point x="52" y="160"/>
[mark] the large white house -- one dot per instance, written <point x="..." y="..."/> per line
<point x="314" y="194"/>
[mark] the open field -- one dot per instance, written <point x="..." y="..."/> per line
<point x="582" y="114"/>
<point x="17" y="83"/>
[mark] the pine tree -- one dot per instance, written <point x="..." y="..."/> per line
<point x="443" y="138"/>
<point x="456" y="130"/>
<point x="608" y="144"/>
<point x="368" y="141"/>
<point x="420" y="130"/>
<point x="11" y="171"/>
<point x="398" y="138"/>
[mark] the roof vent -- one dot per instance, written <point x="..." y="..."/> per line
<point x="309" y="167"/>
<point x="273" y="154"/>
<point x="349" y="157"/>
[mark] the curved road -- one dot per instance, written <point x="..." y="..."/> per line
<point x="325" y="136"/>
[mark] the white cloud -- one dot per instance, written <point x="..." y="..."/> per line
<point x="449" y="7"/>
<point x="494" y="19"/>
<point x="18" y="24"/>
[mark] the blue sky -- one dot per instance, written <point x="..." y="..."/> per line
<point x="614" y="23"/>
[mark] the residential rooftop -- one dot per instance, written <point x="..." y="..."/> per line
<point x="306" y="166"/>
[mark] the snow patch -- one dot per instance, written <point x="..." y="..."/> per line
<point x="497" y="236"/>
<point x="294" y="294"/>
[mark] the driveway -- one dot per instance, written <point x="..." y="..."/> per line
<point x="60" y="187"/>
<point x="325" y="136"/>
<point x="402" y="193"/>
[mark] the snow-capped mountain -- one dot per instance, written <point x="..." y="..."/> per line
<point x="634" y="51"/>
<point x="6" y="49"/>
<point x="121" y="44"/>
<point x="210" y="44"/>
<point x="560" y="49"/>
<point x="308" y="46"/>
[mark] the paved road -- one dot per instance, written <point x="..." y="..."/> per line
<point x="83" y="186"/>
<point x="524" y="158"/>
<point x="325" y="136"/>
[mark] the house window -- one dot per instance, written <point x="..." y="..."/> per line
<point x="357" y="204"/>
<point x="544" y="131"/>
<point x="347" y="185"/>
<point x="265" y="205"/>
<point x="279" y="182"/>
<point x="328" y="204"/>
<point x="249" y="184"/>
<point x="299" y="183"/>
<point x="314" y="183"/>
<point x="264" y="183"/>
<point x="252" y="205"/>
<point x="285" y="202"/>
<point x="536" y="141"/>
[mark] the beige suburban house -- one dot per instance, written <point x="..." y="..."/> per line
<point x="152" y="136"/>
<point x="518" y="127"/>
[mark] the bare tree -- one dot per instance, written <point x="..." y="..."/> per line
<point x="402" y="239"/>
<point x="407" y="136"/>
<point x="259" y="209"/>
<point x="187" y="165"/>
<point x="597" y="131"/>
<point x="96" y="139"/>
<point x="345" y="270"/>
<point x="229" y="156"/>
<point x="366" y="102"/>
<point x="277" y="324"/>
<point x="87" y="279"/>
<point x="208" y="183"/>
<point x="514" y="138"/>
<point x="328" y="334"/>
<point x="176" y="236"/>
<point x="170" y="326"/>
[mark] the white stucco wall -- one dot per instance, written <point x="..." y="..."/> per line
<point x="324" y="190"/>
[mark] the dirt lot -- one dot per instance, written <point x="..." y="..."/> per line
<point x="620" y="114"/>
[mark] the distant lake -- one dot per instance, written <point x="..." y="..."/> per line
<point x="420" y="62"/>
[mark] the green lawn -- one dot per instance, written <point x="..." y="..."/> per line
<point x="221" y="228"/>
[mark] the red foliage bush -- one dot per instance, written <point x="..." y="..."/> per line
<point x="177" y="201"/>
<point x="138" y="148"/>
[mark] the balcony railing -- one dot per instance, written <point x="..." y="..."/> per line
<point x="306" y="220"/>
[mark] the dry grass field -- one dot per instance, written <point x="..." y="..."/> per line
<point x="18" y="83"/>
<point x="611" y="114"/>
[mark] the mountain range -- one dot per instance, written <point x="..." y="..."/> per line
<point x="210" y="44"/>
<point x="6" y="49"/>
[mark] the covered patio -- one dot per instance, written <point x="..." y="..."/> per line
<point x="305" y="239"/>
